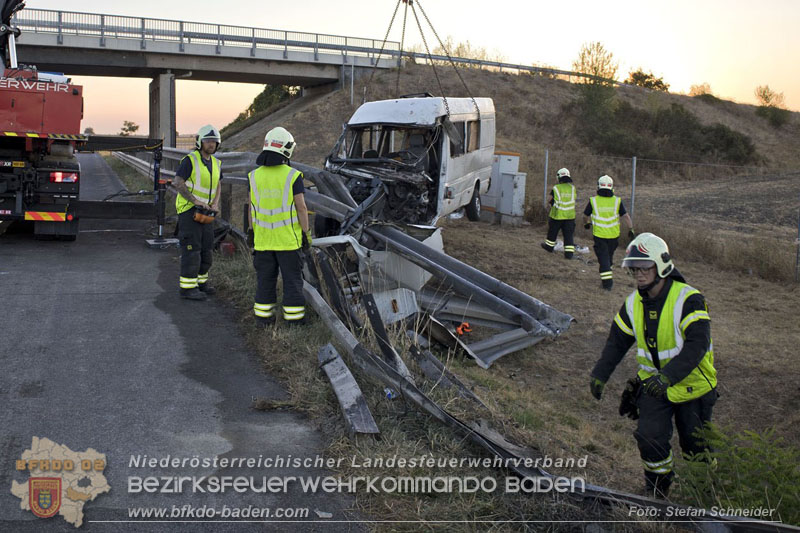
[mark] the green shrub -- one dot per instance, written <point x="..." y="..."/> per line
<point x="673" y="133"/>
<point x="708" y="98"/>
<point x="722" y="142"/>
<point x="776" y="116"/>
<point x="747" y="470"/>
<point x="264" y="101"/>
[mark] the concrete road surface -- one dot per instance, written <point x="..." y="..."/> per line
<point x="97" y="351"/>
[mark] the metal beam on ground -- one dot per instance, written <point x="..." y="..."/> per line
<point x="354" y="407"/>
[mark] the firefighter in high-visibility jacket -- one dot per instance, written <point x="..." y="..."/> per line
<point x="602" y="215"/>
<point x="669" y="324"/>
<point x="562" y="214"/>
<point x="279" y="218"/>
<point x="197" y="182"/>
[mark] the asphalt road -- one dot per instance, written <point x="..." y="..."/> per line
<point x="97" y="351"/>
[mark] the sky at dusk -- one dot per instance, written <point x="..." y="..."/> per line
<point x="733" y="45"/>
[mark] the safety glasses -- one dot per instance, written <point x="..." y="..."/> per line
<point x="636" y="270"/>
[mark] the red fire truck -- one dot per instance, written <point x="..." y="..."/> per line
<point x="40" y="120"/>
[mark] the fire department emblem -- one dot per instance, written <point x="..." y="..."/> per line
<point x="44" y="496"/>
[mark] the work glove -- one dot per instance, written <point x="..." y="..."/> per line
<point x="588" y="225"/>
<point x="631" y="234"/>
<point x="251" y="238"/>
<point x="306" y="240"/>
<point x="627" y="405"/>
<point x="597" y="386"/>
<point x="657" y="385"/>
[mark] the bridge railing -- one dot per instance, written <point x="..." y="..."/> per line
<point x="184" y="33"/>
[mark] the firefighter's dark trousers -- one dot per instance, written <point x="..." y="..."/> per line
<point x="604" y="250"/>
<point x="567" y="228"/>
<point x="290" y="264"/>
<point x="655" y="431"/>
<point x="197" y="245"/>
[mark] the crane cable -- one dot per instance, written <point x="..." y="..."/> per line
<point x="402" y="44"/>
<point x="427" y="51"/>
<point x="447" y="53"/>
<point x="383" y="45"/>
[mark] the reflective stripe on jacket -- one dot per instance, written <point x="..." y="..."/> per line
<point x="275" y="222"/>
<point x="563" y="202"/>
<point x="605" y="216"/>
<point x="669" y="340"/>
<point x="202" y="184"/>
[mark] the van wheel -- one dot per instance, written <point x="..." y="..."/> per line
<point x="473" y="208"/>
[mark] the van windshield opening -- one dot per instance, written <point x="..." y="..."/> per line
<point x="402" y="145"/>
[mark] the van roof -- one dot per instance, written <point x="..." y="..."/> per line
<point x="417" y="111"/>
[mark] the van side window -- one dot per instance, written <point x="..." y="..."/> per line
<point x="473" y="135"/>
<point x="458" y="149"/>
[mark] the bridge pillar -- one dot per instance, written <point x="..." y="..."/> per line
<point x="162" y="108"/>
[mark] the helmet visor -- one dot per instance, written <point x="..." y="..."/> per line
<point x="637" y="263"/>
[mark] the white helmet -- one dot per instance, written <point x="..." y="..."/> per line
<point x="563" y="173"/>
<point x="280" y="141"/>
<point x="648" y="249"/>
<point x="207" y="133"/>
<point x="605" y="182"/>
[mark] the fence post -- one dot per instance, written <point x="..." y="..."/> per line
<point x="102" y="30"/>
<point x="181" y="47"/>
<point x="143" y="44"/>
<point x="544" y="196"/>
<point x="60" y="38"/>
<point x="633" y="185"/>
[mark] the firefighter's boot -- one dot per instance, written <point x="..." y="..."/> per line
<point x="193" y="294"/>
<point x="657" y="485"/>
<point x="207" y="288"/>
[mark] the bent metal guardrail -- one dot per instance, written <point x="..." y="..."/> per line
<point x="483" y="435"/>
<point x="142" y="29"/>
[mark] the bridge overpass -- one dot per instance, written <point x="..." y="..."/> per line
<point x="90" y="44"/>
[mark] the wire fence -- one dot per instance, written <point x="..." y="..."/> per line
<point x="746" y="218"/>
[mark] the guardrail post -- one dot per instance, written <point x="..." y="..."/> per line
<point x="143" y="44"/>
<point x="219" y="39"/>
<point x="160" y="187"/>
<point x="60" y="38"/>
<point x="180" y="34"/>
<point x="102" y="30"/>
<point x="253" y="50"/>
<point x="285" y="45"/>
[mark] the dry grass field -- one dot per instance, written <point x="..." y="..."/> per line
<point x="731" y="234"/>
<point x="754" y="329"/>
